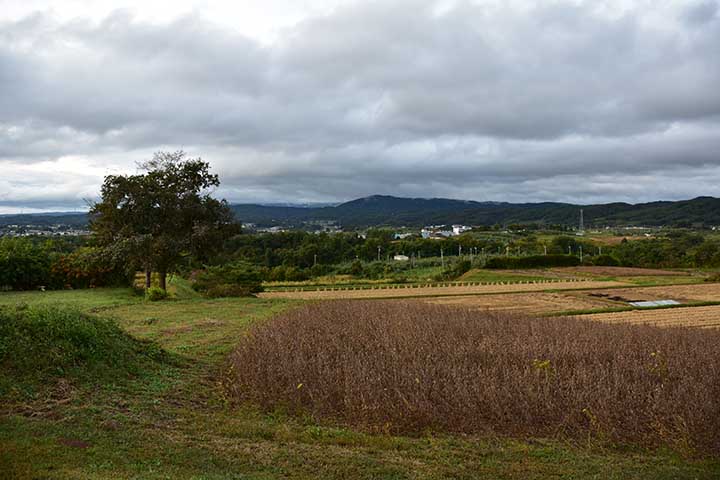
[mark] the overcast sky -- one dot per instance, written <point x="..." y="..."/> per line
<point x="328" y="100"/>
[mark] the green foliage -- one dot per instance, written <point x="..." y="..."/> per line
<point x="155" y="294"/>
<point x="88" y="267"/>
<point x="454" y="270"/>
<point x="231" y="280"/>
<point x="41" y="342"/>
<point x="24" y="265"/>
<point x="27" y="265"/>
<point x="606" y="261"/>
<point x="224" y="290"/>
<point x="675" y="250"/>
<point x="286" y="273"/>
<point x="155" y="219"/>
<point x="533" y="261"/>
<point x="356" y="268"/>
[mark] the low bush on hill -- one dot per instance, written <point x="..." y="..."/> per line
<point x="606" y="261"/>
<point x="454" y="270"/>
<point x="155" y="294"/>
<point x="407" y="367"/>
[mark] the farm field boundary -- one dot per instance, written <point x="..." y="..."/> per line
<point x="439" y="290"/>
<point x="380" y="286"/>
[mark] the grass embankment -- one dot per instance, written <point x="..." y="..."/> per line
<point x="172" y="420"/>
<point x="42" y="343"/>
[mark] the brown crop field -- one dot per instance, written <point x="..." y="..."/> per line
<point x="617" y="271"/>
<point x="704" y="292"/>
<point x="402" y="291"/>
<point x="702" y="317"/>
<point x="529" y="303"/>
<point x="406" y="366"/>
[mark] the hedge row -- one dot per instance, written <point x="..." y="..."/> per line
<point x="533" y="261"/>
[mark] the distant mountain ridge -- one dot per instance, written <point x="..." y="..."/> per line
<point x="386" y="210"/>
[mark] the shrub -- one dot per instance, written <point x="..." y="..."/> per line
<point x="409" y="366"/>
<point x="88" y="267"/>
<point x="235" y="279"/>
<point x="24" y="265"/>
<point x="533" y="261"/>
<point x="155" y="294"/>
<point x="228" y="290"/>
<point x="714" y="278"/>
<point x="454" y="270"/>
<point x="356" y="268"/>
<point x="606" y="261"/>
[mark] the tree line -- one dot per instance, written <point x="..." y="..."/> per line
<point x="164" y="220"/>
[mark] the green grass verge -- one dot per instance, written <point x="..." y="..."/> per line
<point x="173" y="421"/>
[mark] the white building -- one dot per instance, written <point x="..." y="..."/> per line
<point x="460" y="229"/>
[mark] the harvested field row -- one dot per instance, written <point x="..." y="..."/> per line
<point x="707" y="292"/>
<point x="617" y="271"/>
<point x="406" y="291"/>
<point x="529" y="303"/>
<point x="703" y="317"/>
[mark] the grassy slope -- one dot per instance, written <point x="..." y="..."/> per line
<point x="173" y="423"/>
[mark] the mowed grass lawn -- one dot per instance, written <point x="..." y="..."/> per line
<point x="174" y="421"/>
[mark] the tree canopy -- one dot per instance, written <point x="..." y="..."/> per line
<point x="155" y="219"/>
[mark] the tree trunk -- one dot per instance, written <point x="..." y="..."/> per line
<point x="163" y="280"/>
<point x="148" y="278"/>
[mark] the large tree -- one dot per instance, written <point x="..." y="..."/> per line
<point x="157" y="218"/>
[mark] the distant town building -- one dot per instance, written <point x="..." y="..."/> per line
<point x="401" y="258"/>
<point x="441" y="231"/>
<point x="460" y="229"/>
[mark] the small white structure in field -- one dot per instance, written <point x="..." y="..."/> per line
<point x="655" y="303"/>
<point x="460" y="229"/>
<point x="401" y="258"/>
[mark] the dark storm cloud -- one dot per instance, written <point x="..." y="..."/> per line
<point x="474" y="100"/>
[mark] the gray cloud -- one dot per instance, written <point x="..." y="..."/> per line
<point x="547" y="101"/>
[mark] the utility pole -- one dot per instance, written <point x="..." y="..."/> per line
<point x="314" y="259"/>
<point x="442" y="258"/>
<point x="459" y="250"/>
<point x="378" y="253"/>
<point x="545" y="249"/>
<point x="580" y="253"/>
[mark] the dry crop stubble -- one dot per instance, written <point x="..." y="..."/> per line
<point x="408" y="366"/>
